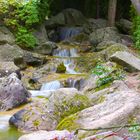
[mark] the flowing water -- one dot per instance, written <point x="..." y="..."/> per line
<point x="8" y="132"/>
<point x="66" y="56"/>
<point x="68" y="32"/>
<point x="63" y="55"/>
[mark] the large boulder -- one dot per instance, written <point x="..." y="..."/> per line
<point x="97" y="23"/>
<point x="125" y="26"/>
<point x="130" y="62"/>
<point x="115" y="106"/>
<point x="105" y="34"/>
<point x="69" y="17"/>
<point x="30" y="59"/>
<point x="12" y="93"/>
<point x="6" y="68"/>
<point x="111" y="48"/>
<point x="6" y="36"/>
<point x="45" y="114"/>
<point x="46" y="135"/>
<point x="9" y="52"/>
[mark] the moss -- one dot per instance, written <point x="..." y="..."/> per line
<point x="36" y="123"/>
<point x="68" y="123"/>
<point x="102" y="87"/>
<point x="61" y="68"/>
<point x="101" y="99"/>
<point x="77" y="103"/>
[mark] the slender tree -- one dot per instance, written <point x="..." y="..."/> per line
<point x="112" y="12"/>
<point x="97" y="9"/>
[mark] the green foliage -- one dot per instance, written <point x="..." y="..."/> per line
<point x="135" y="130"/>
<point x="21" y="16"/>
<point x="25" y="38"/>
<point x="107" y="73"/>
<point x="136" y="27"/>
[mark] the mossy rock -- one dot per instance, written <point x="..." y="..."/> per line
<point x="61" y="68"/>
<point x="68" y="123"/>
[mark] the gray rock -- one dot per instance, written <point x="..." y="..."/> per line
<point x="127" y="40"/>
<point x="114" y="108"/>
<point x="125" y="26"/>
<point x="97" y="23"/>
<point x="41" y="34"/>
<point x="130" y="62"/>
<point x="110" y="50"/>
<point x="12" y="93"/>
<point x="45" y="114"/>
<point x="6" y="36"/>
<point x="104" y="45"/>
<point x="46" y="48"/>
<point x="30" y="59"/>
<point x="45" y="135"/>
<point x="7" y="68"/>
<point x="9" y="52"/>
<point x="105" y="34"/>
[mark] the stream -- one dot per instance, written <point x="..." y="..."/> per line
<point x="63" y="56"/>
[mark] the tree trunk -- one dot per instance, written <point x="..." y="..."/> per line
<point x="97" y="9"/>
<point x="112" y="12"/>
<point x="136" y="4"/>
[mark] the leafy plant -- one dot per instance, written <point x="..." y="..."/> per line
<point x="25" y="38"/>
<point x="107" y="73"/>
<point x="22" y="16"/>
<point x="136" y="27"/>
<point x="135" y="130"/>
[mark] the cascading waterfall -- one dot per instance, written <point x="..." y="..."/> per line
<point x="68" y="32"/>
<point x="54" y="85"/>
<point x="46" y="89"/>
<point x="66" y="56"/>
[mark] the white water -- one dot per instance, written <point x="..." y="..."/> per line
<point x="4" y="122"/>
<point x="46" y="89"/>
<point x="54" y="85"/>
<point x="68" y="32"/>
<point x="66" y="57"/>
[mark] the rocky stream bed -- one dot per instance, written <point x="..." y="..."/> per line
<point x="51" y="92"/>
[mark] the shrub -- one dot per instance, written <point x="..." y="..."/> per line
<point x="136" y="27"/>
<point x="25" y="38"/>
<point x="22" y="16"/>
<point x="107" y="73"/>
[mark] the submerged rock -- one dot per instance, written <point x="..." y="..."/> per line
<point x="12" y="93"/>
<point x="48" y="135"/>
<point x="130" y="62"/>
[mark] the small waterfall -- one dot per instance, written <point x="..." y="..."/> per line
<point x="54" y="85"/>
<point x="46" y="89"/>
<point x="74" y="83"/>
<point x="66" y="57"/>
<point x="68" y="32"/>
<point x="44" y="93"/>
